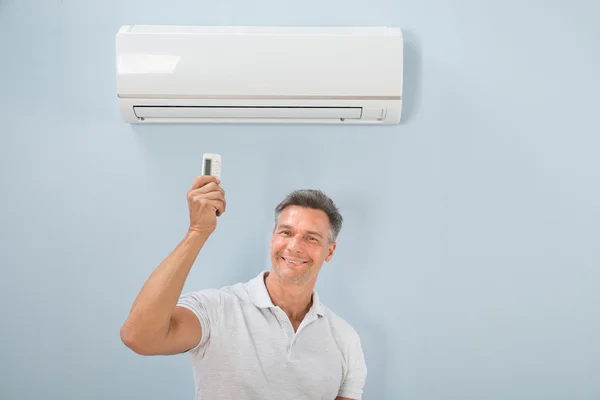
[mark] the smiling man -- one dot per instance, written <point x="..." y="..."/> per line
<point x="267" y="338"/>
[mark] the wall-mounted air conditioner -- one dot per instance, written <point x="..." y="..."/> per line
<point x="193" y="74"/>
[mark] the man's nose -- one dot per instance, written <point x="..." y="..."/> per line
<point x="295" y="244"/>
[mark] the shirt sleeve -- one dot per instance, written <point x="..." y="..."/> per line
<point x="354" y="382"/>
<point x="206" y="306"/>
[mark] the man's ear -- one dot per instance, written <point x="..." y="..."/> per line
<point x="330" y="251"/>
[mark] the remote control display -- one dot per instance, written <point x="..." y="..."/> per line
<point x="211" y="165"/>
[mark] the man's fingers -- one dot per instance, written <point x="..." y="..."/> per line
<point x="211" y="195"/>
<point x="203" y="180"/>
<point x="218" y="205"/>
<point x="209" y="188"/>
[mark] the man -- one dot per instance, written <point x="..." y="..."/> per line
<point x="268" y="338"/>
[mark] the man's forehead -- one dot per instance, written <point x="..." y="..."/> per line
<point x="303" y="212"/>
<point x="296" y="215"/>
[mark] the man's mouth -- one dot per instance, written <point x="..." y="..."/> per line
<point x="292" y="261"/>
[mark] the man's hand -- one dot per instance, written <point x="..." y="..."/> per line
<point x="206" y="200"/>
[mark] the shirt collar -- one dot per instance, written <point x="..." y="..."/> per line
<point x="260" y="296"/>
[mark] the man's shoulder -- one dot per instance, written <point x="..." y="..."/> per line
<point x="228" y="294"/>
<point x="340" y="327"/>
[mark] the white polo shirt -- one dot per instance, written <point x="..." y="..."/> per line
<point x="249" y="350"/>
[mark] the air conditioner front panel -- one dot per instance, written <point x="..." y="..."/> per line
<point x="269" y="63"/>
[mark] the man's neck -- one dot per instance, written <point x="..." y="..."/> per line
<point x="294" y="300"/>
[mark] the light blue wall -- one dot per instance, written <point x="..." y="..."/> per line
<point x="469" y="261"/>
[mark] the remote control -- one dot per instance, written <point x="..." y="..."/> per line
<point x="211" y="165"/>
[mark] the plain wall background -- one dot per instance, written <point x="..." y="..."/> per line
<point x="469" y="260"/>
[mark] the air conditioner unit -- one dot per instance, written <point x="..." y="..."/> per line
<point x="197" y="74"/>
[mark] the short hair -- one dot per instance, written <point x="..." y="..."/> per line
<point x="317" y="200"/>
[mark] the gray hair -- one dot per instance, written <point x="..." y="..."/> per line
<point x="317" y="200"/>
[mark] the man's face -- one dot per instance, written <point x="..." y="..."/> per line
<point x="300" y="245"/>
